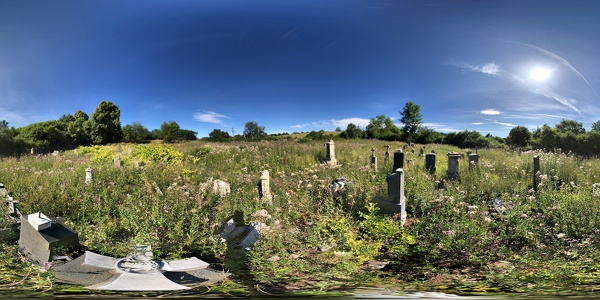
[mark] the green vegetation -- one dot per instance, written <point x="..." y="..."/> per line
<point x="455" y="239"/>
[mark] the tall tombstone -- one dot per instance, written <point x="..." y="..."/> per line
<point x="117" y="161"/>
<point x="536" y="170"/>
<point x="452" y="172"/>
<point x="430" y="162"/>
<point x="265" y="186"/>
<point x="331" y="153"/>
<point x="119" y="148"/>
<point x="398" y="160"/>
<point x="473" y="160"/>
<point x="89" y="174"/>
<point x="387" y="153"/>
<point x="396" y="201"/>
<point x="373" y="160"/>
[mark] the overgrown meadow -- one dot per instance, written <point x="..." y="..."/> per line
<point x="542" y="240"/>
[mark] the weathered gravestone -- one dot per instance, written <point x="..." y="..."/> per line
<point x="452" y="172"/>
<point x="473" y="160"/>
<point x="430" y="162"/>
<point x="373" y="160"/>
<point x="119" y="148"/>
<point x="136" y="162"/>
<point x="89" y="175"/>
<point x="536" y="171"/>
<point x="330" y="159"/>
<point x="387" y="153"/>
<point x="40" y="236"/>
<point x="398" y="160"/>
<point x="117" y="161"/>
<point x="265" y="186"/>
<point x="221" y="188"/>
<point x="396" y="201"/>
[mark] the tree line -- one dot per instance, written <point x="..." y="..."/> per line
<point x="80" y="129"/>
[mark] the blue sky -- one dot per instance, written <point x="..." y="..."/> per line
<point x="302" y="65"/>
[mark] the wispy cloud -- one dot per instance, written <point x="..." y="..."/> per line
<point x="333" y="123"/>
<point x="507" y="125"/>
<point x="210" y="117"/>
<point x="489" y="68"/>
<point x="477" y="123"/>
<point x="490" y="112"/>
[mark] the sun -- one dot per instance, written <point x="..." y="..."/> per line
<point x="540" y="74"/>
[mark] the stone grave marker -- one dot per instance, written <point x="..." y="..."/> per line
<point x="136" y="162"/>
<point x="430" y="162"/>
<point x="117" y="161"/>
<point x="536" y="171"/>
<point x="396" y="201"/>
<point x="265" y="186"/>
<point x="89" y="175"/>
<point x="452" y="172"/>
<point x="119" y="148"/>
<point x="221" y="187"/>
<point x="398" y="160"/>
<point x="40" y="236"/>
<point x="421" y="151"/>
<point x="373" y="160"/>
<point x="330" y="159"/>
<point x="387" y="153"/>
<point x="473" y="160"/>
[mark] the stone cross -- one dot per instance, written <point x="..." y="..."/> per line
<point x="117" y="161"/>
<point x="452" y="172"/>
<point x="12" y="209"/>
<point x="536" y="170"/>
<point x="331" y="153"/>
<point x="430" y="162"/>
<point x="473" y="160"/>
<point x="398" y="160"/>
<point x="89" y="174"/>
<point x="265" y="186"/>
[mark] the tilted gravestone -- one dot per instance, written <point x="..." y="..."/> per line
<point x="430" y="162"/>
<point x="398" y="160"/>
<point x="396" y="201"/>
<point x="40" y="236"/>
<point x="452" y="172"/>
<point x="330" y="159"/>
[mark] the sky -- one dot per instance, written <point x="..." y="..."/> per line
<point x="297" y="66"/>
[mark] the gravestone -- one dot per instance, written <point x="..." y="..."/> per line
<point x="136" y="162"/>
<point x="117" y="161"/>
<point x="473" y="160"/>
<point x="387" y="154"/>
<point x="421" y="152"/>
<point x="265" y="186"/>
<point x="330" y="159"/>
<point x="396" y="201"/>
<point x="373" y="160"/>
<point x="119" y="148"/>
<point x="398" y="160"/>
<point x="430" y="162"/>
<point x="55" y="153"/>
<point x="40" y="236"/>
<point x="89" y="175"/>
<point x="452" y="172"/>
<point x="536" y="171"/>
<point x="32" y="151"/>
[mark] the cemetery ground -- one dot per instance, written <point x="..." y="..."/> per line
<point x="490" y="231"/>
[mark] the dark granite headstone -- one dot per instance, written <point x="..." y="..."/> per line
<point x="40" y="245"/>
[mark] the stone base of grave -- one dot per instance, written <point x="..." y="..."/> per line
<point x="38" y="246"/>
<point x="392" y="207"/>
<point x="136" y="273"/>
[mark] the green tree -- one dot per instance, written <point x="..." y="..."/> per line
<point x="136" y="132"/>
<point x="353" y="132"/>
<point x="382" y="127"/>
<point x="49" y="134"/>
<point x="106" y="124"/>
<point x="169" y="131"/>
<point x="519" y="136"/>
<point x="572" y="126"/>
<point x="218" y="135"/>
<point x="80" y="129"/>
<point x="596" y="126"/>
<point x="253" y="131"/>
<point x="411" y="118"/>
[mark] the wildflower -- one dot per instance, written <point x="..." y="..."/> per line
<point x="560" y="235"/>
<point x="488" y="220"/>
